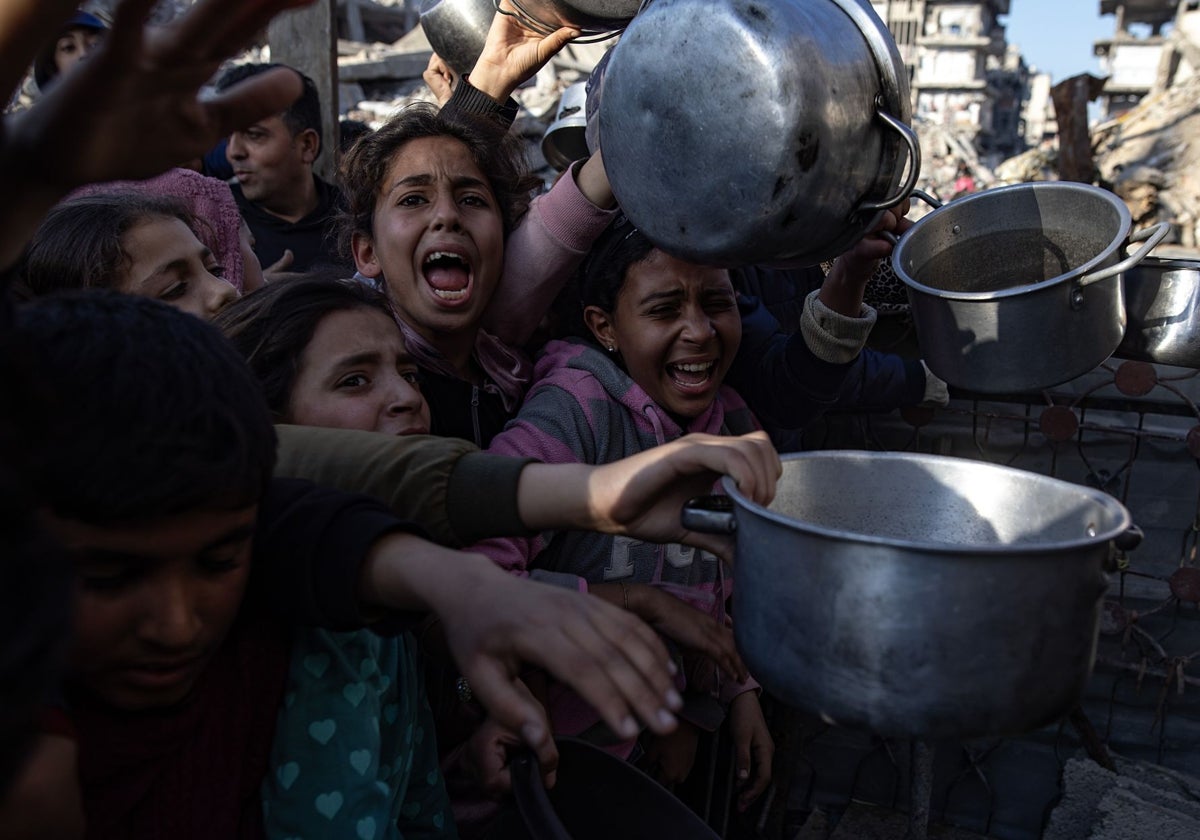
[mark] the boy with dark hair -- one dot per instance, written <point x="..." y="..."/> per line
<point x="157" y="482"/>
<point x="288" y="207"/>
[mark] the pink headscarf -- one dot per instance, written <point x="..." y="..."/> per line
<point x="208" y="199"/>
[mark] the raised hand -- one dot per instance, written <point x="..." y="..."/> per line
<point x="134" y="108"/>
<point x="511" y="54"/>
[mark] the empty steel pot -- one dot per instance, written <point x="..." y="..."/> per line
<point x="747" y="131"/>
<point x="1018" y="288"/>
<point x="1162" y="297"/>
<point x="921" y="595"/>
<point x="457" y="30"/>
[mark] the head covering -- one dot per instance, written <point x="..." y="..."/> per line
<point x="44" y="68"/>
<point x="209" y="199"/>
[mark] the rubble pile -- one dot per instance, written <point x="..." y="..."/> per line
<point x="1150" y="156"/>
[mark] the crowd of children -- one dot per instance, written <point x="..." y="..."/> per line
<point x="281" y="558"/>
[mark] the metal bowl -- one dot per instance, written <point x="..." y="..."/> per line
<point x="457" y="30"/>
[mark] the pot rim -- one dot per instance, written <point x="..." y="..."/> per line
<point x="1104" y="500"/>
<point x="1099" y="261"/>
<point x="1167" y="264"/>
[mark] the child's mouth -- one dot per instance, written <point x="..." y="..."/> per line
<point x="448" y="276"/>
<point x="692" y="375"/>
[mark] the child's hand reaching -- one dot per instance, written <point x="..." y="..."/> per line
<point x="440" y="78"/>
<point x="511" y="54"/>
<point x="487" y="758"/>
<point x="680" y="622"/>
<point x="669" y="758"/>
<point x="753" y="748"/>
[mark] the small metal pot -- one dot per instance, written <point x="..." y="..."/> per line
<point x="920" y="595"/>
<point x="457" y="30"/>
<point x="1162" y="307"/>
<point x="565" y="139"/>
<point x="1018" y="288"/>
<point x="743" y="131"/>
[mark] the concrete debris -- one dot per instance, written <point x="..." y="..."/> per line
<point x="1149" y="154"/>
<point x="1139" y="801"/>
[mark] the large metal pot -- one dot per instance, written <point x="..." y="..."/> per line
<point x="1019" y="288"/>
<point x="744" y="131"/>
<point x="457" y="30"/>
<point x="921" y="595"/>
<point x="1162" y="308"/>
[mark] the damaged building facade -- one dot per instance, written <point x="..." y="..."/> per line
<point x="965" y="77"/>
<point x="1155" y="45"/>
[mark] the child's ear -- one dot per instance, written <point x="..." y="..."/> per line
<point x="363" y="248"/>
<point x="601" y="325"/>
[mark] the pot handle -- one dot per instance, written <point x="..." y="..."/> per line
<point x="924" y="196"/>
<point x="709" y="515"/>
<point x="1152" y="235"/>
<point x="533" y="803"/>
<point x="1129" y="539"/>
<point x="914" y="161"/>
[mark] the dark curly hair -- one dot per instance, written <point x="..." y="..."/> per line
<point x="366" y="165"/>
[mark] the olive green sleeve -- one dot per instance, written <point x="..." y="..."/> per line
<point x="458" y="494"/>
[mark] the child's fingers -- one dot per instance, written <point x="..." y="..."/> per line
<point x="620" y="664"/>
<point x="516" y="710"/>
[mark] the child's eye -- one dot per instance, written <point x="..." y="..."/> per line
<point x="411" y="200"/>
<point x="475" y="201"/>
<point x="662" y="311"/>
<point x="216" y="270"/>
<point x="103" y="581"/>
<point x="174" y="291"/>
<point x="220" y="565"/>
<point x="354" y="380"/>
<point x="412" y="377"/>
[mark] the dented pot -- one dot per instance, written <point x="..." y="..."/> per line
<point x="757" y="131"/>
<point x="920" y="595"/>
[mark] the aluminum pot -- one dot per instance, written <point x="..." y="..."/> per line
<point x="565" y="140"/>
<point x="1162" y="297"/>
<point x="1018" y="288"/>
<point x="457" y="30"/>
<point x="745" y="131"/>
<point x="920" y="595"/>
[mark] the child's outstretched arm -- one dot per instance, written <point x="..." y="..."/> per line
<point x="495" y="624"/>
<point x="462" y="496"/>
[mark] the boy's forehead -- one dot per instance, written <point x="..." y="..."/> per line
<point x="178" y="535"/>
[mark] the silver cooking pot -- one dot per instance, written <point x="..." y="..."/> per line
<point x="1019" y="288"/>
<point x="1162" y="307"/>
<point x="920" y="595"/>
<point x="742" y="131"/>
<point x="457" y="30"/>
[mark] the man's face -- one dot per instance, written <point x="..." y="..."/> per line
<point x="154" y="601"/>
<point x="269" y="162"/>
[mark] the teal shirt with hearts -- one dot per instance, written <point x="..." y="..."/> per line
<point x="354" y="754"/>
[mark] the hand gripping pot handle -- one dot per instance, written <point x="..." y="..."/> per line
<point x="1152" y="236"/>
<point x="914" y="162"/>
<point x="709" y="515"/>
